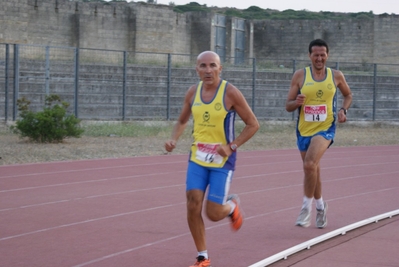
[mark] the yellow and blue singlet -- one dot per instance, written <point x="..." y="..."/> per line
<point x="318" y="113"/>
<point x="213" y="125"/>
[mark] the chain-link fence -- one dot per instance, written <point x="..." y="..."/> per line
<point x="125" y="85"/>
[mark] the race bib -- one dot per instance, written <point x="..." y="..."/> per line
<point x="315" y="113"/>
<point x="207" y="153"/>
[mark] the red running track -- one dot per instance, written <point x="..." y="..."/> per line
<point x="131" y="211"/>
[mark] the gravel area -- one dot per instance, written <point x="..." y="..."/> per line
<point x="273" y="135"/>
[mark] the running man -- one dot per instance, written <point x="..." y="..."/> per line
<point x="313" y="92"/>
<point x="213" y="103"/>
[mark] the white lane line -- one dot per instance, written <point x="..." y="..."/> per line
<point x="89" y="181"/>
<point x="91" y="169"/>
<point x="183" y="171"/>
<point x="173" y="205"/>
<point x="177" y="185"/>
<point x="131" y="249"/>
<point x="93" y="196"/>
<point x="180" y="161"/>
<point x="185" y="234"/>
<point x="90" y="221"/>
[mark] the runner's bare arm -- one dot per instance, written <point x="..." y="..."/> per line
<point x="181" y="122"/>
<point x="346" y="92"/>
<point x="294" y="99"/>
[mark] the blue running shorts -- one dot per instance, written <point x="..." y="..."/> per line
<point x="218" y="179"/>
<point x="303" y="142"/>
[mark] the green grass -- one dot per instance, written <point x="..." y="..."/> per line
<point x="164" y="129"/>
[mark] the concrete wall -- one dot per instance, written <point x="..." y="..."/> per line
<point x="159" y="29"/>
<point x="14" y="20"/>
<point x="201" y="28"/>
<point x="349" y="40"/>
<point x="386" y="39"/>
<point x="142" y="27"/>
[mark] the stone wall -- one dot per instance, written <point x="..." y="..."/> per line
<point x="142" y="27"/>
<point x="349" y="40"/>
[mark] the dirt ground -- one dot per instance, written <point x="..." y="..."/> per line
<point x="272" y="135"/>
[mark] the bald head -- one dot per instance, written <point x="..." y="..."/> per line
<point x="208" y="55"/>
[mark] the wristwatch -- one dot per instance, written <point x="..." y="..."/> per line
<point x="233" y="147"/>
<point x="345" y="110"/>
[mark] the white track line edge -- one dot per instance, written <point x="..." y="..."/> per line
<point x="306" y="245"/>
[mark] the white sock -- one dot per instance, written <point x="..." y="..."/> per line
<point x="319" y="204"/>
<point x="232" y="205"/>
<point x="307" y="203"/>
<point x="203" y="253"/>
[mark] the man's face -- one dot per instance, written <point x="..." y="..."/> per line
<point x="209" y="68"/>
<point x="318" y="57"/>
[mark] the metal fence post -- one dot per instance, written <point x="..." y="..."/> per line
<point x="253" y="83"/>
<point x="47" y="70"/>
<point x="76" y="85"/>
<point x="16" y="81"/>
<point x="124" y="85"/>
<point x="374" y="90"/>
<point x="7" y="63"/>
<point x="168" y="87"/>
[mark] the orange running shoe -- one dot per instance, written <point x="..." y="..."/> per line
<point x="236" y="217"/>
<point x="202" y="262"/>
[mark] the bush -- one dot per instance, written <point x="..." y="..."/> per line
<point x="52" y="125"/>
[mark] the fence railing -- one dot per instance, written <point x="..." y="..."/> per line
<point x="126" y="85"/>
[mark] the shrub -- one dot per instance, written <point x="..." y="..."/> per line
<point x="52" y="125"/>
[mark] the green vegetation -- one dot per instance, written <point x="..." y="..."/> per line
<point x="254" y="12"/>
<point x="192" y="6"/>
<point x="103" y="1"/>
<point x="162" y="129"/>
<point x="51" y="125"/>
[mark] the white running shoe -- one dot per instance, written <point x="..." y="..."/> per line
<point x="303" y="218"/>
<point x="321" y="217"/>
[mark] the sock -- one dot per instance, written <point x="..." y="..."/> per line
<point x="232" y="205"/>
<point x="307" y="203"/>
<point x="319" y="204"/>
<point x="203" y="253"/>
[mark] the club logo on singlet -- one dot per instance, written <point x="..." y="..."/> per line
<point x="206" y="116"/>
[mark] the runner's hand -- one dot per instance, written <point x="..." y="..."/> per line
<point x="300" y="99"/>
<point x="341" y="116"/>
<point x="224" y="150"/>
<point x="170" y="145"/>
